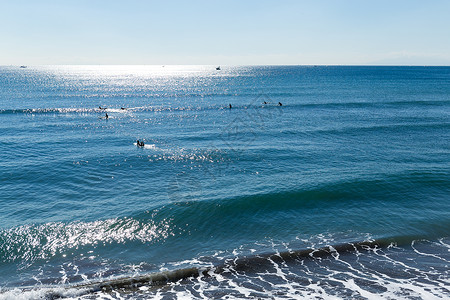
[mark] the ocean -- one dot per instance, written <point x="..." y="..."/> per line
<point x="255" y="182"/>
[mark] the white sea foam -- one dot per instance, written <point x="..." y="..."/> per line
<point x="376" y="273"/>
<point x="371" y="273"/>
<point x="147" y="146"/>
<point x="42" y="293"/>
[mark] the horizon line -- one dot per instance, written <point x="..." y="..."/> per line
<point x="237" y="65"/>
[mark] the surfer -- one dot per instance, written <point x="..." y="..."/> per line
<point x="106" y="116"/>
<point x="122" y="108"/>
<point x="265" y="102"/>
<point x="101" y="107"/>
<point x="230" y="106"/>
<point x="279" y="104"/>
<point x="139" y="144"/>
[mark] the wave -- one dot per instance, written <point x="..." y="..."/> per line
<point x="209" y="216"/>
<point x="245" y="264"/>
<point x="112" y="110"/>
<point x="45" y="110"/>
<point x="241" y="264"/>
<point x="352" y="189"/>
<point x="36" y="242"/>
<point x="64" y="110"/>
<point x="352" y="259"/>
<point x="59" y="110"/>
<point x="255" y="104"/>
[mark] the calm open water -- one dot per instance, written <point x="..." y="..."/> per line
<point x="355" y="163"/>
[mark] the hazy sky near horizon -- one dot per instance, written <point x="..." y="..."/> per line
<point x="394" y="32"/>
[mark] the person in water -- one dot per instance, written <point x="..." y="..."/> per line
<point x="265" y="102"/>
<point x="230" y="105"/>
<point x="279" y="104"/>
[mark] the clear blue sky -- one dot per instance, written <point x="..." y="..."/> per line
<point x="228" y="32"/>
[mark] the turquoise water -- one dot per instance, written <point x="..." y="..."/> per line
<point x="353" y="154"/>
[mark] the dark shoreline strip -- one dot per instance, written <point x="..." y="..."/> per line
<point x="160" y="279"/>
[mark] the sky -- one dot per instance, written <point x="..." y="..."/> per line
<point x="244" y="32"/>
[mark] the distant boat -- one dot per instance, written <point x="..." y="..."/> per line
<point x="218" y="68"/>
<point x="23" y="67"/>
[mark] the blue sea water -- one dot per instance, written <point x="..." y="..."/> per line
<point x="353" y="154"/>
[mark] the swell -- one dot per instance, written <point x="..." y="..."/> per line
<point x="156" y="108"/>
<point x="255" y="103"/>
<point x="380" y="187"/>
<point x="394" y="127"/>
<point x="209" y="217"/>
<point x="411" y="203"/>
<point x="372" y="105"/>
